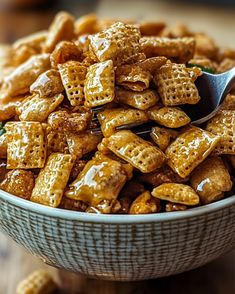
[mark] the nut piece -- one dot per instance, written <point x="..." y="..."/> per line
<point x="210" y="179"/>
<point x="175" y="207"/>
<point x="176" y="193"/>
<point x="19" y="182"/>
<point x="144" y="204"/>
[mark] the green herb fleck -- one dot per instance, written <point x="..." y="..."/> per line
<point x="203" y="68"/>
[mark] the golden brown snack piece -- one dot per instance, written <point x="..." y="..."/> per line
<point x="228" y="103"/>
<point x="8" y="108"/>
<point x="170" y="117"/>
<point x="86" y="24"/>
<point x="211" y="179"/>
<point x="6" y="61"/>
<point x="179" y="30"/>
<point x="189" y="149"/>
<point x="109" y="119"/>
<point x="144" y="204"/>
<point x="22" y="54"/>
<point x="223" y="125"/>
<point x="18" y="182"/>
<point x="65" y="51"/>
<point x="73" y="75"/>
<point x="3" y="169"/>
<point x="101" y="179"/>
<point x="35" y="108"/>
<point x="118" y="43"/>
<point x="71" y="122"/>
<point x="225" y="65"/>
<point x="20" y="80"/>
<point x="176" y="85"/>
<point x="71" y="204"/>
<point x="176" y="193"/>
<point x="3" y="146"/>
<point x="61" y="29"/>
<point x="48" y="84"/>
<point x="161" y="175"/>
<point x="162" y="137"/>
<point x="139" y="153"/>
<point x="140" y="100"/>
<point x="52" y="180"/>
<point x="175" y="207"/>
<point x="39" y="282"/>
<point x="99" y="84"/>
<point x="26" y="146"/>
<point x="56" y="141"/>
<point x="33" y="41"/>
<point x="178" y="49"/>
<point x="81" y="144"/>
<point x="151" y="28"/>
<point x="151" y="64"/>
<point x="133" y="77"/>
<point x="204" y="62"/>
<point x="205" y="46"/>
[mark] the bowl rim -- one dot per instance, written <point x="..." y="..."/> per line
<point x="115" y="218"/>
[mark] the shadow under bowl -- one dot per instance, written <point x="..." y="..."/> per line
<point x="121" y="247"/>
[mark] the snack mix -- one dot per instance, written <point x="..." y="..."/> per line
<point x="70" y="97"/>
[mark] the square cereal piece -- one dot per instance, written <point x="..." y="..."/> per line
<point x="18" y="182"/>
<point x="35" y="108"/>
<point x="26" y="145"/>
<point x="178" y="49"/>
<point x="223" y="125"/>
<point x="99" y="84"/>
<point x="170" y="117"/>
<point x="189" y="149"/>
<point x="211" y="179"/>
<point x="73" y="75"/>
<point x="176" y="193"/>
<point x="61" y="29"/>
<point x="52" y="180"/>
<point x="48" y="84"/>
<point x="118" y="43"/>
<point x="176" y="85"/>
<point x="109" y="119"/>
<point x="101" y="180"/>
<point x="140" y="100"/>
<point x="139" y="153"/>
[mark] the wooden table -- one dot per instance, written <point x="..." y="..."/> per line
<point x="215" y="278"/>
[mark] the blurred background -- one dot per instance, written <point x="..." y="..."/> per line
<point x="217" y="17"/>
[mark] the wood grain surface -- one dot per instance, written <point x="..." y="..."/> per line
<point x="15" y="264"/>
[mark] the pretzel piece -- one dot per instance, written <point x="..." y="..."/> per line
<point x="61" y="29"/>
<point x="25" y="145"/>
<point x="73" y="75"/>
<point x="119" y="42"/>
<point x="100" y="180"/>
<point x="39" y="282"/>
<point x="35" y="108"/>
<point x="189" y="149"/>
<point x="170" y="117"/>
<point x="176" y="85"/>
<point x="52" y="179"/>
<point x="176" y="193"/>
<point x="140" y="100"/>
<point x="20" y="80"/>
<point x="178" y="49"/>
<point x="47" y="84"/>
<point x="111" y="118"/>
<point x="211" y="179"/>
<point x="99" y="84"/>
<point x="223" y="125"/>
<point x="139" y="153"/>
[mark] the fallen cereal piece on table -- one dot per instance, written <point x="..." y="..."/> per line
<point x="39" y="282"/>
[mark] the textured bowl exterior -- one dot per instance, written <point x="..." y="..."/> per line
<point x="121" y="248"/>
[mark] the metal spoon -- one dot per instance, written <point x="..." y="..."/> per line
<point x="212" y="89"/>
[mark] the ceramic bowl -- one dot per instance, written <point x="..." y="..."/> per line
<point x="121" y="247"/>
